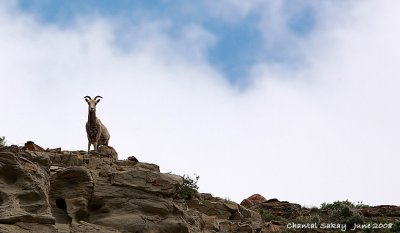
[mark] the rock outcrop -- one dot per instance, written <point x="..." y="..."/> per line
<point x="253" y="200"/>
<point x="74" y="191"/>
<point x="49" y="191"/>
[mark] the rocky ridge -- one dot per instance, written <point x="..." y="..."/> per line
<point x="49" y="191"/>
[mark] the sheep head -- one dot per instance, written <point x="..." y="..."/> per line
<point x="92" y="102"/>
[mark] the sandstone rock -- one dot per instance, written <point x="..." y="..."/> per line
<point x="8" y="158"/>
<point x="211" y="208"/>
<point x="54" y="150"/>
<point x="58" y="191"/>
<point x="133" y="158"/>
<point x="211" y="223"/>
<point x="382" y="210"/>
<point x="31" y="146"/>
<point x="153" y="182"/>
<point x="40" y="158"/>
<point x="142" y="223"/>
<point x="21" y="227"/>
<point x="24" y="191"/>
<point x="281" y="208"/>
<point x="106" y="151"/>
<point x="71" y="190"/>
<point x="147" y="167"/>
<point x="272" y="228"/>
<point x="253" y="200"/>
<point x="86" y="227"/>
<point x="228" y="226"/>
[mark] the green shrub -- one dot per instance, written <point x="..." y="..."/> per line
<point x="361" y="205"/>
<point x="383" y="230"/>
<point x="336" y="205"/>
<point x="268" y="216"/>
<point x="2" y="141"/>
<point x="396" y="227"/>
<point x="312" y="218"/>
<point x="343" y="212"/>
<point x="189" y="187"/>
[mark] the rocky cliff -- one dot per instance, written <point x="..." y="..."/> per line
<point x="51" y="190"/>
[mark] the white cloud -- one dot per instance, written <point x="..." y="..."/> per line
<point x="325" y="132"/>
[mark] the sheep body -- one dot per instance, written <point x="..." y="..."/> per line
<point x="97" y="132"/>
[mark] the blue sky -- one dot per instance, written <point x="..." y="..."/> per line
<point x="239" y="42"/>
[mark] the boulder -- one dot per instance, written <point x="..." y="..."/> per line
<point x="133" y="158"/>
<point x="254" y="199"/>
<point x="31" y="146"/>
<point x="24" y="191"/>
<point x="149" y="181"/>
<point x="282" y="209"/>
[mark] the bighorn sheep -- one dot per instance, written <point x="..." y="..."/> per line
<point x="97" y="133"/>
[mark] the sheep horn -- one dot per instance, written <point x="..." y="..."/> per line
<point x="97" y="97"/>
<point x="88" y="97"/>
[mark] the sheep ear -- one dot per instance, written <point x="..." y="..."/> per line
<point x="87" y="98"/>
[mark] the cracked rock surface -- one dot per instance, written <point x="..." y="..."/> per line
<point x="74" y="191"/>
<point x="55" y="191"/>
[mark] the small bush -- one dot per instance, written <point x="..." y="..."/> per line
<point x="396" y="227"/>
<point x="361" y="205"/>
<point x="343" y="212"/>
<point x="268" y="216"/>
<point x="189" y="187"/>
<point x="314" y="218"/>
<point x="336" y="205"/>
<point x="2" y="141"/>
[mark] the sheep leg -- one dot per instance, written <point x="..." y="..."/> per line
<point x="88" y="147"/>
